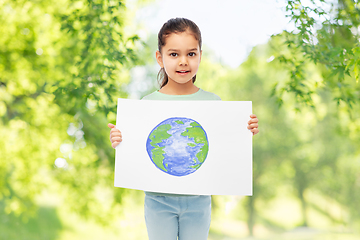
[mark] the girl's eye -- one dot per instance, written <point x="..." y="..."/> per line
<point x="192" y="54"/>
<point x="173" y="54"/>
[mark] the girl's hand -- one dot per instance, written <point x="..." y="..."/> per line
<point x="115" y="135"/>
<point x="253" y="124"/>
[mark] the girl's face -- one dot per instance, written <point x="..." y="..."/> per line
<point x="180" y="57"/>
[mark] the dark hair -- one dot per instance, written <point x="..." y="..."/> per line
<point x="175" y="25"/>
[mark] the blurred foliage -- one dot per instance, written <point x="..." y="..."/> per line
<point x="299" y="150"/>
<point x="327" y="34"/>
<point x="44" y="225"/>
<point x="63" y="64"/>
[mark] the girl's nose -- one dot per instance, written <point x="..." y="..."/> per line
<point x="183" y="61"/>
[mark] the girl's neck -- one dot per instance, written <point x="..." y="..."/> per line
<point x="174" y="88"/>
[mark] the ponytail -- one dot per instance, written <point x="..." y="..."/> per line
<point x="162" y="78"/>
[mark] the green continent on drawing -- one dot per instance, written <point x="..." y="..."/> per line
<point x="156" y="137"/>
<point x="178" y="146"/>
<point x="199" y="136"/>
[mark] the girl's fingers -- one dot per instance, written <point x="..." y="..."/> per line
<point x="253" y="120"/>
<point x="115" y="131"/>
<point x="115" y="135"/>
<point x="254" y="125"/>
<point x="116" y="139"/>
<point x="114" y="144"/>
<point x="255" y="131"/>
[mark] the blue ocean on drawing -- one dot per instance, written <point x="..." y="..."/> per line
<point x="178" y="146"/>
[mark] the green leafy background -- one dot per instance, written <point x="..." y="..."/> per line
<point x="64" y="63"/>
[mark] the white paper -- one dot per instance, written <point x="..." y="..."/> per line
<point x="227" y="169"/>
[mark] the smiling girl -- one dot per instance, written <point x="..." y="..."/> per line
<point x="172" y="216"/>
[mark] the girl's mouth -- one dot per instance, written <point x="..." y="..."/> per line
<point x="182" y="72"/>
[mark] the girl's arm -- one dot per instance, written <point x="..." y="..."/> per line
<point x="115" y="135"/>
<point x="253" y="124"/>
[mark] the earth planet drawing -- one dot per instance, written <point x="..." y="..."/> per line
<point x="178" y="146"/>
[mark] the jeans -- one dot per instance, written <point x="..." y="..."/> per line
<point x="169" y="217"/>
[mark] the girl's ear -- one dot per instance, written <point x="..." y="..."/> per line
<point x="200" y="55"/>
<point x="159" y="59"/>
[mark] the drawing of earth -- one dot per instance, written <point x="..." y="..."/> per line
<point x="178" y="146"/>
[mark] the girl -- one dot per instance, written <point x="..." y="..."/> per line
<point x="169" y="216"/>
